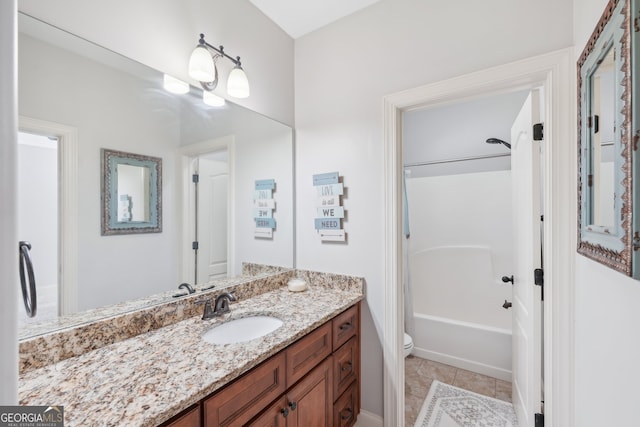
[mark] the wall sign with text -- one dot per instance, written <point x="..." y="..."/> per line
<point x="329" y="210"/>
<point x="263" y="207"/>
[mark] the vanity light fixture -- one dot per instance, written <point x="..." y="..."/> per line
<point x="173" y="85"/>
<point x="202" y="67"/>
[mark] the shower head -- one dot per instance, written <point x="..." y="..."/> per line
<point x="498" y="141"/>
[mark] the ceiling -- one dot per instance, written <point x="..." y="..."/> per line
<point x="299" y="17"/>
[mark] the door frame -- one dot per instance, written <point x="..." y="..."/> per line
<point x="555" y="72"/>
<point x="185" y="157"/>
<point x="67" y="206"/>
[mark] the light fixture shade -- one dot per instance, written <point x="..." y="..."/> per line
<point x="212" y="99"/>
<point x="238" y="84"/>
<point x="201" y="66"/>
<point x="173" y="85"/>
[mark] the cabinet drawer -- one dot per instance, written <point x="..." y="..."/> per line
<point x="307" y="352"/>
<point x="345" y="366"/>
<point x="346" y="409"/>
<point x="241" y="400"/>
<point x="345" y="325"/>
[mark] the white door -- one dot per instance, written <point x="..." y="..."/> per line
<point x="212" y="219"/>
<point x="527" y="338"/>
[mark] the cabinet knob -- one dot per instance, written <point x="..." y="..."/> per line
<point x="345" y="326"/>
<point x="293" y="406"/>
<point x="346" y="367"/>
<point x="284" y="412"/>
<point x="346" y="414"/>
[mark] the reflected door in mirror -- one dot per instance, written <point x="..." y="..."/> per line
<point x="603" y="129"/>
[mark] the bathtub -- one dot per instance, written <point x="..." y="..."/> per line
<point x="457" y="309"/>
<point x="465" y="345"/>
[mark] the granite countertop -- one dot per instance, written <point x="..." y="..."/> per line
<point x="145" y="380"/>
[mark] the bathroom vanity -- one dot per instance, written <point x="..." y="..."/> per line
<point x="315" y="379"/>
<point x="307" y="369"/>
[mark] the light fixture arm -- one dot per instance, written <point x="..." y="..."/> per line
<point x="220" y="50"/>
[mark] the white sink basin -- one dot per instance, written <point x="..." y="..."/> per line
<point x="241" y="330"/>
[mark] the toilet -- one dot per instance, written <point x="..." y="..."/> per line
<point x="408" y="345"/>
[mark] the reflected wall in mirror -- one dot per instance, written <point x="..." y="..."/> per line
<point x="112" y="101"/>
<point x="131" y="193"/>
<point x="605" y="123"/>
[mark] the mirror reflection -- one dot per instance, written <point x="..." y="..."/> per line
<point x="133" y="193"/>
<point x="603" y="81"/>
<point x="113" y="102"/>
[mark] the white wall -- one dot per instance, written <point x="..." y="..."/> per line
<point x="607" y="317"/>
<point x="8" y="213"/>
<point x="342" y="73"/>
<point x="162" y="34"/>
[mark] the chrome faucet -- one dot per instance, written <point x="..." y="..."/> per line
<point x="221" y="306"/>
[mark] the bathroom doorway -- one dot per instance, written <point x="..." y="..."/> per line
<point x="207" y="210"/>
<point x="460" y="245"/>
<point x="552" y="72"/>
<point x="38" y="219"/>
<point x="48" y="194"/>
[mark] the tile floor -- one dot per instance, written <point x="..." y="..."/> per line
<point x="419" y="373"/>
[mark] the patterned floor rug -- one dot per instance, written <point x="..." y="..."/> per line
<point x="449" y="406"/>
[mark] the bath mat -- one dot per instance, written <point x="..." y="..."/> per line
<point x="449" y="406"/>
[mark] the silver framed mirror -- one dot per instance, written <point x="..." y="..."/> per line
<point x="131" y="193"/>
<point x="604" y="140"/>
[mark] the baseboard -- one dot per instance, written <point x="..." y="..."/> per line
<point x="368" y="419"/>
<point x="469" y="365"/>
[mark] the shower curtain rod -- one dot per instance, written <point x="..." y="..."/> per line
<point x="461" y="159"/>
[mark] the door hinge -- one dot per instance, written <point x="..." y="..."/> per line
<point x="539" y="420"/>
<point x="195" y="178"/>
<point x="590" y="180"/>
<point x="194" y="246"/>
<point x="538" y="280"/>
<point x="538" y="134"/>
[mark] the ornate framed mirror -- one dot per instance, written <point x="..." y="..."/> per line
<point x="604" y="137"/>
<point x="131" y="193"/>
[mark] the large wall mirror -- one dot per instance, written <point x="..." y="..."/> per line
<point x="605" y="141"/>
<point x="114" y="103"/>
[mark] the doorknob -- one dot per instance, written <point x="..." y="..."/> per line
<point x="507" y="279"/>
<point x="507" y="304"/>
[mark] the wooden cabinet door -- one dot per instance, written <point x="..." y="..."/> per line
<point x="275" y="416"/>
<point x="307" y="352"/>
<point x="310" y="402"/>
